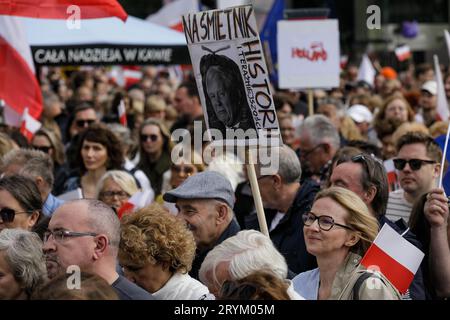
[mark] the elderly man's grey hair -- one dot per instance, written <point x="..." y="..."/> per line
<point x="22" y="251"/>
<point x="283" y="161"/>
<point x="320" y="129"/>
<point x="41" y="165"/>
<point x="246" y="252"/>
<point x="102" y="219"/>
<point x="340" y="107"/>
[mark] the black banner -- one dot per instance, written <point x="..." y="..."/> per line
<point x="109" y="55"/>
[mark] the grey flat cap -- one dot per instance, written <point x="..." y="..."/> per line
<point x="203" y="185"/>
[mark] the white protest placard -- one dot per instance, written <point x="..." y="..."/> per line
<point x="232" y="76"/>
<point x="308" y="54"/>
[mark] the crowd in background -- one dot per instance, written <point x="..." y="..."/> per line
<point x="199" y="238"/>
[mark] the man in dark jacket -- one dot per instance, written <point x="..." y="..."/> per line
<point x="287" y="200"/>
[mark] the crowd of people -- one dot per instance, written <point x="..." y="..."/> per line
<point x="63" y="194"/>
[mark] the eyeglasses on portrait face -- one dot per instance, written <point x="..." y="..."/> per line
<point x="147" y="137"/>
<point x="61" y="235"/>
<point x="8" y="214"/>
<point x="414" y="164"/>
<point x="325" y="222"/>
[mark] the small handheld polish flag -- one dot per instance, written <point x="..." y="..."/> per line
<point x="137" y="201"/>
<point x="29" y="125"/>
<point x="396" y="258"/>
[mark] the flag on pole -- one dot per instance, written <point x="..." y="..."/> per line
<point x="170" y="14"/>
<point x="403" y="53"/>
<point x="447" y="41"/>
<point x="29" y="125"/>
<point x="268" y="36"/>
<point x="137" y="201"/>
<point x="441" y="103"/>
<point x="366" y="70"/>
<point x="125" y="76"/>
<point x="18" y="84"/>
<point x="122" y="114"/>
<point x="396" y="258"/>
<point x="60" y="9"/>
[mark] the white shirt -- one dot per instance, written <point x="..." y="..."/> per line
<point x="276" y="220"/>
<point x="183" y="287"/>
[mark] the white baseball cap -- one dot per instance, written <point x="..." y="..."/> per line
<point x="360" y="113"/>
<point x="430" y="86"/>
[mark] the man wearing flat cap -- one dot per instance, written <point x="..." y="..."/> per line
<point x="205" y="201"/>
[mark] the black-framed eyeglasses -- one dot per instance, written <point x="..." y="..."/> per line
<point x="414" y="164"/>
<point x="264" y="176"/>
<point x="146" y="137"/>
<point x="112" y="194"/>
<point x="8" y="214"/>
<point x="82" y="123"/>
<point x="61" y="235"/>
<point x="325" y="222"/>
<point x="305" y="153"/>
<point x="44" y="149"/>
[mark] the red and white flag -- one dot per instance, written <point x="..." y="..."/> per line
<point x="137" y="201"/>
<point x="122" y="114"/>
<point x="29" y="125"/>
<point x="393" y="256"/>
<point x="366" y="70"/>
<point x="18" y="84"/>
<point x="391" y="175"/>
<point x="125" y="76"/>
<point x="62" y="9"/>
<point x="403" y="53"/>
<point x="441" y="100"/>
<point x="170" y="14"/>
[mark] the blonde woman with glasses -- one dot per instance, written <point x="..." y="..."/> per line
<point x="338" y="231"/>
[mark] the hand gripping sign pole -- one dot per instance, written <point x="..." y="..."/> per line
<point x="233" y="83"/>
<point x="256" y="194"/>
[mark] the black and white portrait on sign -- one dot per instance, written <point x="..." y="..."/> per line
<point x="225" y="94"/>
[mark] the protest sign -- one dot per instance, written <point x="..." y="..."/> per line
<point x="231" y="76"/>
<point x="308" y="54"/>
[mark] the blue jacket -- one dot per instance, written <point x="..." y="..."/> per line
<point x="287" y="236"/>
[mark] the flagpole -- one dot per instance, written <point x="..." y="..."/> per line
<point x="445" y="106"/>
<point x="310" y="102"/>
<point x="256" y="194"/>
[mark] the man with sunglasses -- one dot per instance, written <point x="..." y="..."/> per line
<point x="86" y="233"/>
<point x="418" y="166"/>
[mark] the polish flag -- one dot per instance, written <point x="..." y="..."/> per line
<point x="403" y="53"/>
<point x="63" y="9"/>
<point x="125" y="76"/>
<point x="170" y="14"/>
<point x="366" y="70"/>
<point x="441" y="103"/>
<point x="18" y="84"/>
<point x="396" y="258"/>
<point x="137" y="201"/>
<point x="391" y="175"/>
<point x="122" y="114"/>
<point x="29" y="125"/>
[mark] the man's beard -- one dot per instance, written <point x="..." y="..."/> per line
<point x="53" y="265"/>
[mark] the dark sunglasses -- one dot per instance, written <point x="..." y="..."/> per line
<point x="44" y="149"/>
<point x="152" y="137"/>
<point x="82" y="123"/>
<point x="414" y="164"/>
<point x="8" y="214"/>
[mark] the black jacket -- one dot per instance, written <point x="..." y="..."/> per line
<point x="287" y="236"/>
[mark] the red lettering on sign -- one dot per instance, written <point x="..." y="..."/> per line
<point x="314" y="53"/>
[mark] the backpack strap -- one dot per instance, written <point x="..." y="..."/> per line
<point x="363" y="277"/>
